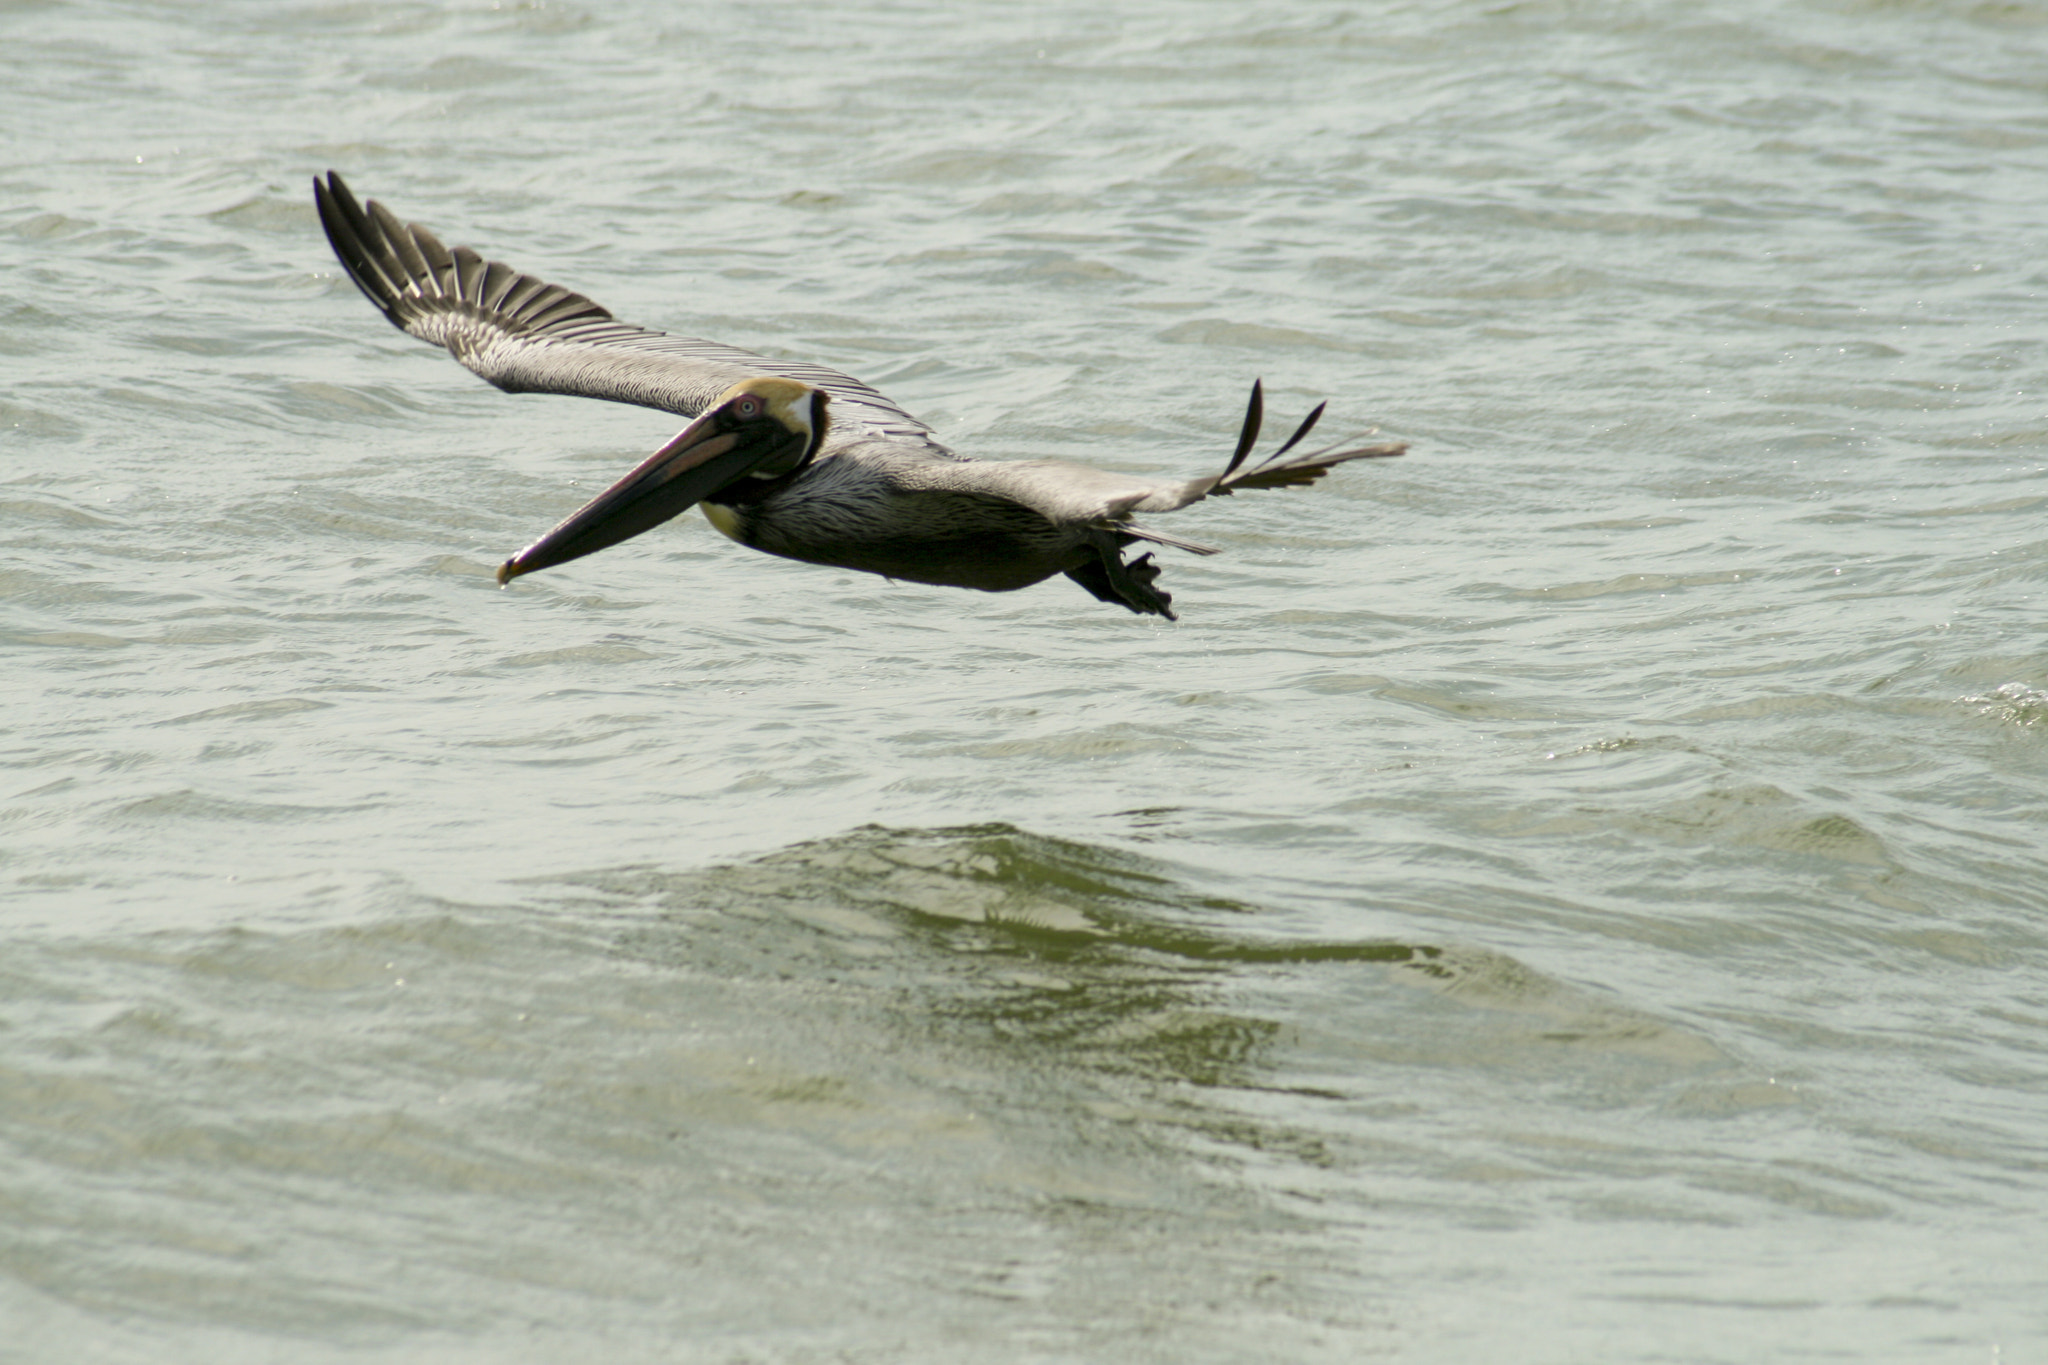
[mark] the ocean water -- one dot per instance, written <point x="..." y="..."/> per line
<point x="1577" y="892"/>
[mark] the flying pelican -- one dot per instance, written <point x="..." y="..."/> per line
<point x="790" y="458"/>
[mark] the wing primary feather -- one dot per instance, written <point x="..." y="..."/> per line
<point x="499" y="281"/>
<point x="1248" y="435"/>
<point x="440" y="264"/>
<point x="1194" y="547"/>
<point x="401" y="244"/>
<point x="1307" y="424"/>
<point x="351" y="232"/>
<point x="469" y="276"/>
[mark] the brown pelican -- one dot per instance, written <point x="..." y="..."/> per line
<point x="793" y="459"/>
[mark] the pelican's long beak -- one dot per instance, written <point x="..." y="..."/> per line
<point x="727" y="443"/>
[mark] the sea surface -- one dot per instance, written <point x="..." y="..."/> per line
<point x="1578" y="892"/>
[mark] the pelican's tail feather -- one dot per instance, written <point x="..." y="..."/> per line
<point x="1134" y="532"/>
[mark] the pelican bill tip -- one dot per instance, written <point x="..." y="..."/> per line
<point x="508" y="571"/>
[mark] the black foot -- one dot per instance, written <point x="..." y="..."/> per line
<point x="1127" y="585"/>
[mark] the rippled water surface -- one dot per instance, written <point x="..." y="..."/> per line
<point x="1577" y="892"/>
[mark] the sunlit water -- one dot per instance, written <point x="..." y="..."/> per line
<point x="1577" y="892"/>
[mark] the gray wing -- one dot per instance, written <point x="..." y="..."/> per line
<point x="1076" y="495"/>
<point x="527" y="336"/>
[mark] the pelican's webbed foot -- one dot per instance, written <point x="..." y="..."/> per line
<point x="1127" y="585"/>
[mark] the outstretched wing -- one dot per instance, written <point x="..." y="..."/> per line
<point x="527" y="336"/>
<point x="1077" y="495"/>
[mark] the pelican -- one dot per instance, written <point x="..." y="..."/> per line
<point x="791" y="458"/>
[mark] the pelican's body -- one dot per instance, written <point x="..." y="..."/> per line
<point x="793" y="459"/>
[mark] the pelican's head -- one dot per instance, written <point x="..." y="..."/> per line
<point x="761" y="429"/>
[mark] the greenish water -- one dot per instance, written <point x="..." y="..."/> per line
<point x="1573" y="893"/>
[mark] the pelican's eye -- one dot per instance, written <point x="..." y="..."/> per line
<point x="747" y="406"/>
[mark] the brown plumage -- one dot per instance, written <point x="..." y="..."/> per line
<point x="794" y="459"/>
